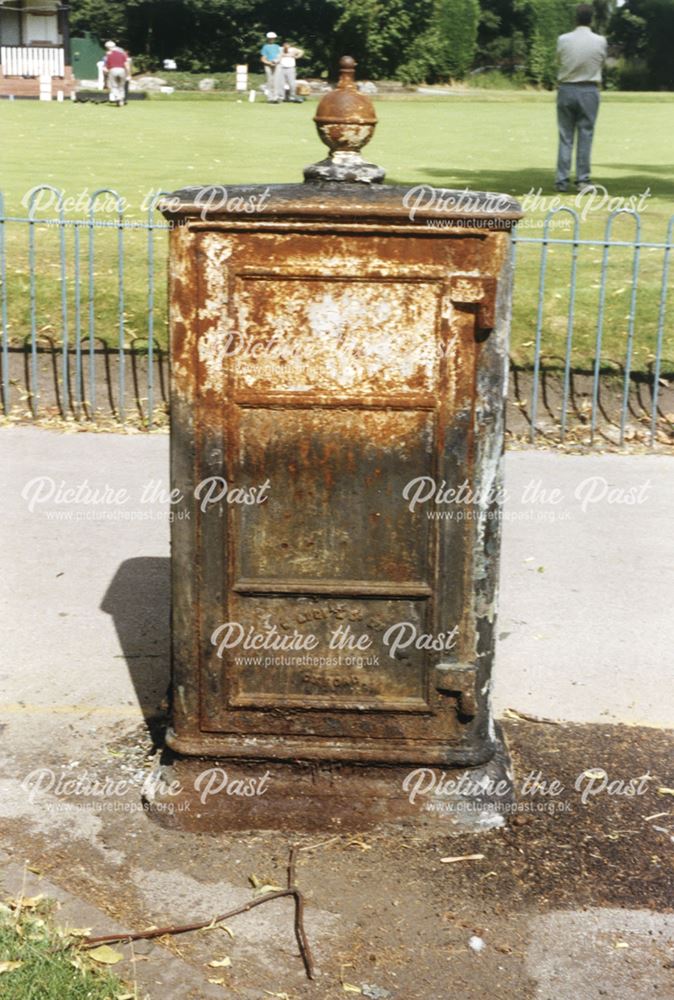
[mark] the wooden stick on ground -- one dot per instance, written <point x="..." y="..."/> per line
<point x="292" y="890"/>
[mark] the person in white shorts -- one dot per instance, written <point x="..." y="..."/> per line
<point x="117" y="67"/>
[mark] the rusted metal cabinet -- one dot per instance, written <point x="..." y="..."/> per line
<point x="337" y="351"/>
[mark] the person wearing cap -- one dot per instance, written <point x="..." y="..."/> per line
<point x="271" y="60"/>
<point x="580" y="55"/>
<point x="117" y="67"/>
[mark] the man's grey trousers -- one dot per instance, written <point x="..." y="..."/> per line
<point x="289" y="80"/>
<point x="577" y="108"/>
<point x="274" y="83"/>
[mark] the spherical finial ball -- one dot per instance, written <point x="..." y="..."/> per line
<point x="345" y="119"/>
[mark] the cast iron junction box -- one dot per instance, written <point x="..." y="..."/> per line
<point x="339" y="348"/>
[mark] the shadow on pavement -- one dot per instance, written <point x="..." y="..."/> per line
<point x="138" y="599"/>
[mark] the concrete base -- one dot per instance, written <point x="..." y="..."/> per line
<point x="208" y="795"/>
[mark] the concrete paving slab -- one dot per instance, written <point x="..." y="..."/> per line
<point x="585" y="630"/>
<point x="602" y="953"/>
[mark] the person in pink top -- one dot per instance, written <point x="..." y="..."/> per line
<point x="117" y="66"/>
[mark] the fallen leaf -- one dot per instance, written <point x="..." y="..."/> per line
<point x="665" y="791"/>
<point x="215" y="925"/>
<point x="105" y="955"/>
<point x="260" y="886"/>
<point x="217" y="982"/>
<point x="461" y="857"/>
<point x="621" y="944"/>
<point x="222" y="963"/>
<point x="26" y="902"/>
<point x="78" y="931"/>
<point x="364" y="846"/>
<point x="9" y="966"/>
<point x="350" y="988"/>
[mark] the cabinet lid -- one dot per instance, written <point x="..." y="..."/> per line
<point x="343" y="201"/>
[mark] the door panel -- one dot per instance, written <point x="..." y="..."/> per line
<point x="339" y="388"/>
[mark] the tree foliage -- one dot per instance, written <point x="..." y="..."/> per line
<point x="413" y="40"/>
<point x="644" y="32"/>
<point x="546" y="21"/>
<point x="455" y="25"/>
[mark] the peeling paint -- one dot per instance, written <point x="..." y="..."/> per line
<point x="339" y="349"/>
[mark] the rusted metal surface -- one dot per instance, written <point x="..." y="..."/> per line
<point x="303" y="796"/>
<point x="338" y="350"/>
<point x="332" y="353"/>
<point x="345" y="121"/>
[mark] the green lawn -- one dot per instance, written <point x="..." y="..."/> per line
<point x="40" y="962"/>
<point x="503" y="141"/>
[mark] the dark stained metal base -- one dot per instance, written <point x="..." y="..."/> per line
<point x="351" y="169"/>
<point x="214" y="795"/>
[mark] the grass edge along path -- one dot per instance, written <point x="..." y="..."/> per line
<point x="38" y="961"/>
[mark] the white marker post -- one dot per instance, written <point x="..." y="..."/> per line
<point x="241" y="78"/>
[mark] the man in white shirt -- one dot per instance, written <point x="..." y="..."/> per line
<point x="289" y="57"/>
<point x="580" y="55"/>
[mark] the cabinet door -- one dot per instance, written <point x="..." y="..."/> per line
<point x="333" y="618"/>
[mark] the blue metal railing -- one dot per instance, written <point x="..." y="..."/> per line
<point x="71" y="337"/>
<point x="81" y="287"/>
<point x="606" y="244"/>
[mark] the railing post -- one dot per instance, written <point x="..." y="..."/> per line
<point x="3" y="310"/>
<point x="119" y="208"/>
<point x="661" y="328"/>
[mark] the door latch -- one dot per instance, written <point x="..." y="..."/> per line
<point x="479" y="290"/>
<point x="459" y="680"/>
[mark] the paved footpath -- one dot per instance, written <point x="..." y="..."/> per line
<point x="585" y="635"/>
<point x="587" y="582"/>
